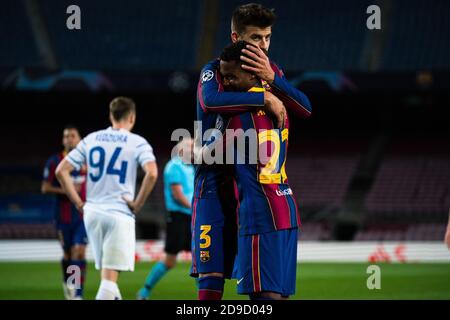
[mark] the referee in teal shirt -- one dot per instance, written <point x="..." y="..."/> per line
<point x="178" y="193"/>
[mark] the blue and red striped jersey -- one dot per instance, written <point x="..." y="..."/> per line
<point x="266" y="201"/>
<point x="65" y="211"/>
<point x="213" y="104"/>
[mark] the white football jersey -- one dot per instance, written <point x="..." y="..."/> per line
<point x="112" y="157"/>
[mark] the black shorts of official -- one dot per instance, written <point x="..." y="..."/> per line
<point x="178" y="232"/>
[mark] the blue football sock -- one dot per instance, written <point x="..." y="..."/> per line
<point x="64" y="265"/>
<point x="210" y="288"/>
<point x="157" y="272"/>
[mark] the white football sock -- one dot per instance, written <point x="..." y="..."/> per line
<point x="108" y="290"/>
<point x="118" y="295"/>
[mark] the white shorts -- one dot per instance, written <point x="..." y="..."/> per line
<point x="112" y="238"/>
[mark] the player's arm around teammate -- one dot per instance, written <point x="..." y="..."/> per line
<point x="214" y="100"/>
<point x="267" y="241"/>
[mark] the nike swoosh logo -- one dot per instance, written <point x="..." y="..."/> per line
<point x="239" y="281"/>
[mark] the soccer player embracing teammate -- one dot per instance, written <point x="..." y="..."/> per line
<point x="216" y="196"/>
<point x="267" y="213"/>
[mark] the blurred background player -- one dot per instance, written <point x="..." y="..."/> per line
<point x="178" y="193"/>
<point x="112" y="156"/>
<point x="268" y="215"/>
<point x="69" y="221"/>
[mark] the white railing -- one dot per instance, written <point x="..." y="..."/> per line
<point x="395" y="252"/>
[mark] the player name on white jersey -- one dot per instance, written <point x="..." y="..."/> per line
<point x="109" y="137"/>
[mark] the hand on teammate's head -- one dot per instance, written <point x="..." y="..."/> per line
<point x="257" y="62"/>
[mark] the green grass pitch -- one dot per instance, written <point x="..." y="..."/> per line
<point x="314" y="281"/>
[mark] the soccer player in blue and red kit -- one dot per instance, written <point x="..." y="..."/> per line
<point x="214" y="226"/>
<point x="69" y="221"/>
<point x="215" y="196"/>
<point x="268" y="214"/>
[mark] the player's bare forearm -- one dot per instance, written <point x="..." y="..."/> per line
<point x="46" y="187"/>
<point x="147" y="185"/>
<point x="270" y="103"/>
<point x="212" y="98"/>
<point x="183" y="201"/>
<point x="63" y="175"/>
<point x="178" y="195"/>
<point x="231" y="103"/>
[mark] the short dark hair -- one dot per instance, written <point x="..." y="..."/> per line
<point x="121" y="107"/>
<point x="233" y="51"/>
<point x="71" y="127"/>
<point x="252" y="14"/>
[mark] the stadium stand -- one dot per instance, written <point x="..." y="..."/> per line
<point x="412" y="183"/>
<point x="415" y="40"/>
<point x="402" y="232"/>
<point x="321" y="181"/>
<point x="321" y="33"/>
<point x="315" y="231"/>
<point x="131" y="36"/>
<point x="139" y="36"/>
<point x="15" y="25"/>
<point x="27" y="231"/>
<point x="411" y="188"/>
<point x="407" y="197"/>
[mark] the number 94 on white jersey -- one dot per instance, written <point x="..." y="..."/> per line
<point x="112" y="157"/>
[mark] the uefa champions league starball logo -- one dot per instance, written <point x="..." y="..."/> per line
<point x="207" y="75"/>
